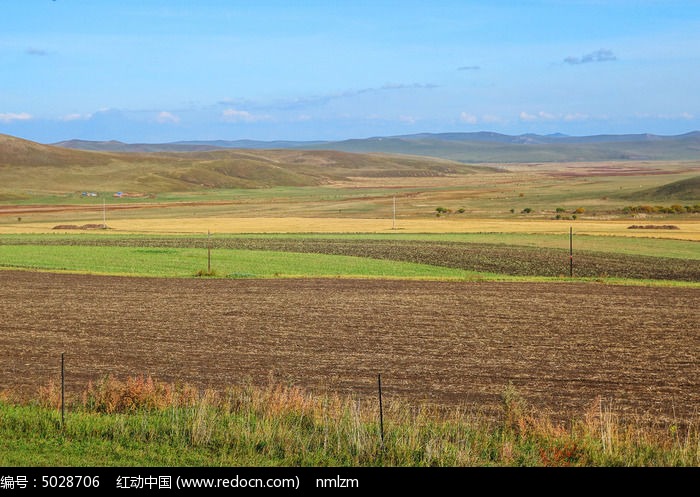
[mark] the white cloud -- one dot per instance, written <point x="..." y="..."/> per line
<point x="540" y="116"/>
<point x="683" y="115"/>
<point x="10" y="116"/>
<point x="490" y="118"/>
<point x="468" y="118"/>
<point x="167" y="117"/>
<point x="576" y="116"/>
<point x="407" y="119"/>
<point x="242" y="116"/>
<point x="76" y="117"/>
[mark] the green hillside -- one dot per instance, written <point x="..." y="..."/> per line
<point x="686" y="189"/>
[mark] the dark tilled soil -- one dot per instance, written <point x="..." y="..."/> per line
<point x="561" y="345"/>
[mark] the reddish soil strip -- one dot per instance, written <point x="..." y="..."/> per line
<point x="32" y="209"/>
<point x="561" y="345"/>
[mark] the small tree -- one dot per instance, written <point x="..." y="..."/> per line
<point x="526" y="210"/>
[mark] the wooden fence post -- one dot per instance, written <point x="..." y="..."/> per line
<point x="381" y="408"/>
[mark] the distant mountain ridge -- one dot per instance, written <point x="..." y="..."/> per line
<point x="482" y="146"/>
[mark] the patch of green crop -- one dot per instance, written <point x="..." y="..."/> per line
<point x="187" y="262"/>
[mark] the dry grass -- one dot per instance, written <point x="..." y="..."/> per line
<point x="292" y="426"/>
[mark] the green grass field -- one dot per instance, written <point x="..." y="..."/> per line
<point x="187" y="262"/>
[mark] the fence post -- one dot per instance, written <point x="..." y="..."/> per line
<point x="381" y="408"/>
<point x="63" y="391"/>
<point x="571" y="252"/>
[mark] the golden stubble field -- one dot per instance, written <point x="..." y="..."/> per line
<point x="688" y="229"/>
<point x="563" y="346"/>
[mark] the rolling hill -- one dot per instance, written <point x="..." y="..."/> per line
<point x="30" y="166"/>
<point x="686" y="189"/>
<point x="483" y="147"/>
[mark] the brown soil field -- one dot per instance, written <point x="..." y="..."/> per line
<point x="561" y="345"/>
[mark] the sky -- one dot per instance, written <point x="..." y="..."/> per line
<point x="146" y="71"/>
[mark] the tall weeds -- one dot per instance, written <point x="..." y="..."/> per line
<point x="285" y="425"/>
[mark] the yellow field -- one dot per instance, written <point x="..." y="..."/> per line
<point x="688" y="229"/>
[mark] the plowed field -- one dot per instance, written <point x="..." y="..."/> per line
<point x="561" y="345"/>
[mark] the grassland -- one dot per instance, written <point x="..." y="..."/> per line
<point x="139" y="422"/>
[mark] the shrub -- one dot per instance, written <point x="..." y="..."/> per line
<point x="206" y="273"/>
<point x="526" y="210"/>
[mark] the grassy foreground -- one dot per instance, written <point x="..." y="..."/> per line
<point x="139" y="422"/>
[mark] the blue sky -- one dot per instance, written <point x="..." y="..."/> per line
<point x="158" y="71"/>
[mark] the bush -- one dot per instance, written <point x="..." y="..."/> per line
<point x="526" y="210"/>
<point x="206" y="273"/>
